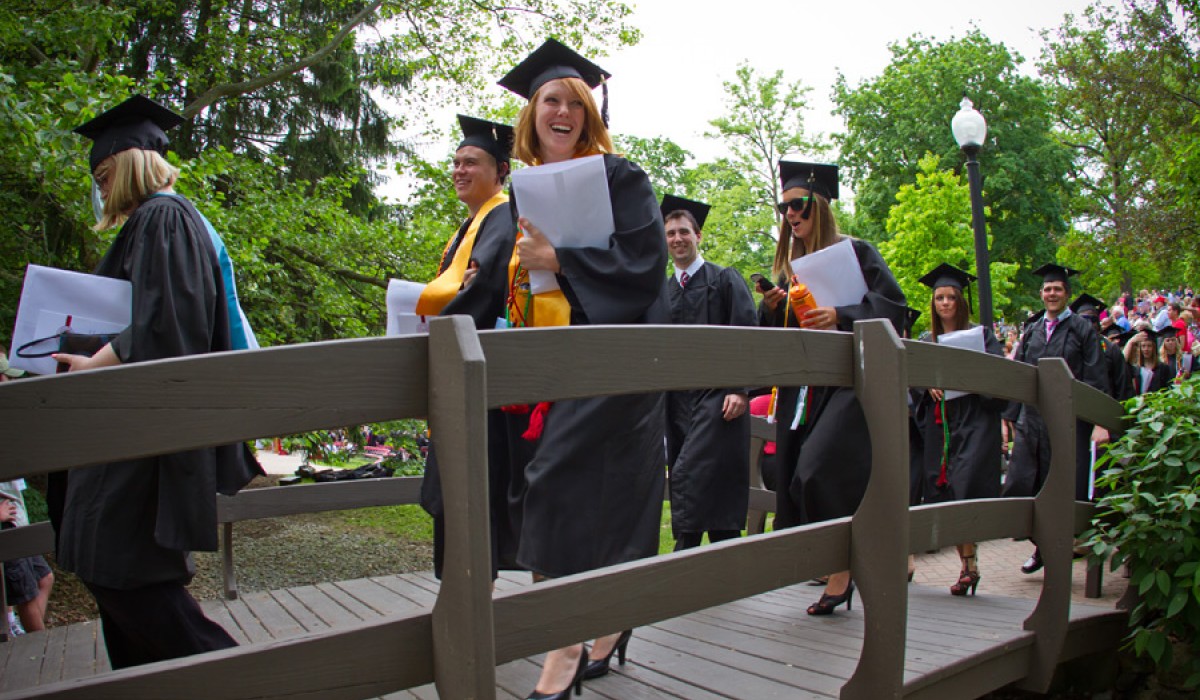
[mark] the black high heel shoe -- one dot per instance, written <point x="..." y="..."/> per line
<point x="599" y="667"/>
<point x="828" y="603"/>
<point x="576" y="683"/>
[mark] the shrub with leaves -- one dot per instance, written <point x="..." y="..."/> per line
<point x="1149" y="520"/>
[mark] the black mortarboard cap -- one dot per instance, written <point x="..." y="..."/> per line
<point x="1053" y="272"/>
<point x="821" y="178"/>
<point x="1114" y="330"/>
<point x="138" y="122"/>
<point x="947" y="275"/>
<point x="551" y="61"/>
<point x="1035" y="317"/>
<point x="493" y="137"/>
<point x="910" y="317"/>
<point x="1085" y="302"/>
<point x="671" y="203"/>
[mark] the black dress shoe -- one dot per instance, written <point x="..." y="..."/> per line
<point x="600" y="667"/>
<point x="1034" y="563"/>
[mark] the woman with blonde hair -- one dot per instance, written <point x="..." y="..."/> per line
<point x="1172" y="354"/>
<point x="823" y="447"/>
<point x="594" y="487"/>
<point x="127" y="529"/>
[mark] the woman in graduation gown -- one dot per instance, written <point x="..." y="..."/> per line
<point x="824" y="449"/>
<point x="1141" y="352"/>
<point x="127" y="528"/>
<point x="962" y="436"/>
<point x="473" y="281"/>
<point x="594" y="487"/>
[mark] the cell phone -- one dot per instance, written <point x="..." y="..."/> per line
<point x="764" y="285"/>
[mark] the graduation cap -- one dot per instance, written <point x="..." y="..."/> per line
<point x="817" y="178"/>
<point x="551" y="61"/>
<point x="910" y="317"/>
<point x="1053" y="272"/>
<point x="1034" y="318"/>
<point x="947" y="275"/>
<point x="138" y="122"/>
<point x="1115" y="331"/>
<point x="1086" y="302"/>
<point x="493" y="137"/>
<point x="672" y="204"/>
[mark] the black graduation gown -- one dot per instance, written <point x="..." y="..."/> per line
<point x="1075" y="340"/>
<point x="824" y="464"/>
<point x="130" y="524"/>
<point x="594" y="487"/>
<point x="1161" y="379"/>
<point x="483" y="300"/>
<point x="1120" y="379"/>
<point x="972" y="464"/>
<point x="707" y="456"/>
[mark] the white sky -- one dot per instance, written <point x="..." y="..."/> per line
<point x="670" y="84"/>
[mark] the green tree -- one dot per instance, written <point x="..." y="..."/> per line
<point x="764" y="122"/>
<point x="930" y="225"/>
<point x="894" y="119"/>
<point x="740" y="232"/>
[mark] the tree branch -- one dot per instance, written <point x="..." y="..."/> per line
<point x="340" y="272"/>
<point x="230" y="89"/>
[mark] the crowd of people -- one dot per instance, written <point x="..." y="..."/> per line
<point x="576" y="485"/>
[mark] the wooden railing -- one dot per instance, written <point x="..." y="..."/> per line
<point x="453" y="376"/>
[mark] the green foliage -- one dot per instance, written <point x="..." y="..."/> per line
<point x="894" y="119"/>
<point x="931" y="224"/>
<point x="1148" y="518"/>
<point x="739" y="232"/>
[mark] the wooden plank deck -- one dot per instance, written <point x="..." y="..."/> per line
<point x="762" y="647"/>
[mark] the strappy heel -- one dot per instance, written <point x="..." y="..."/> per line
<point x="968" y="580"/>
<point x="600" y="667"/>
<point x="828" y="603"/>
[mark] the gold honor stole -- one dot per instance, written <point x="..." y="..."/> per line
<point x="445" y="286"/>
<point x="544" y="310"/>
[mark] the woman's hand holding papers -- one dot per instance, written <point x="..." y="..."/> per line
<point x="535" y="250"/>
<point x="105" y="357"/>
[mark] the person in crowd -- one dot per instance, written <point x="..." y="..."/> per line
<point x="127" y="528"/>
<point x="1117" y="313"/>
<point x="595" y="483"/>
<point x="28" y="580"/>
<point x="1059" y="332"/>
<point x="1171" y="354"/>
<point x="1164" y="313"/>
<point x="1120" y="383"/>
<point x="824" y="448"/>
<point x="708" y="430"/>
<point x="473" y="281"/>
<point x="1189" y="329"/>
<point x="962" y="434"/>
<point x="1149" y="374"/>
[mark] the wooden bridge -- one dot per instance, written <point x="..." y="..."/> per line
<point x="718" y="622"/>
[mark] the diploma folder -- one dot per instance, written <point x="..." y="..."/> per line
<point x="53" y="299"/>
<point x="569" y="203"/>
<point x="970" y="339"/>
<point x="402" y="316"/>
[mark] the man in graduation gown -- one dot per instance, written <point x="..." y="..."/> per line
<point x="708" y="430"/>
<point x="1120" y="383"/>
<point x="1058" y="333"/>
<point x="473" y="281"/>
<point x="127" y="528"/>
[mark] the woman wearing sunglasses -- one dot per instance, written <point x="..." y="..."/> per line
<point x="823" y="448"/>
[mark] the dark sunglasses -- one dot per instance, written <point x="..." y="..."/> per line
<point x="796" y="204"/>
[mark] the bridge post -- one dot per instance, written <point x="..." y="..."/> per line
<point x="464" y="646"/>
<point x="1053" y="523"/>
<point x="879" y="530"/>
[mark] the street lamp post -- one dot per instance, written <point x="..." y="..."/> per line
<point x="970" y="130"/>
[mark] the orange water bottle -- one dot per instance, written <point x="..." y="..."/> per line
<point x="801" y="299"/>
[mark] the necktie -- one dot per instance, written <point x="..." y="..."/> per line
<point x="1051" y="324"/>
<point x="683" y="279"/>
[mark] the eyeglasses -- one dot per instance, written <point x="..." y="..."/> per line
<point x="796" y="204"/>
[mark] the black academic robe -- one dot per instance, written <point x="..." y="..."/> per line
<point x="484" y="301"/>
<point x="1161" y="377"/>
<point x="130" y="524"/>
<point x="1075" y="340"/>
<point x="825" y="463"/>
<point x="1120" y="380"/>
<point x="970" y="468"/>
<point x="594" y="487"/>
<point x="708" y="457"/>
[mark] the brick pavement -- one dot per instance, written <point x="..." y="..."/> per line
<point x="1000" y="573"/>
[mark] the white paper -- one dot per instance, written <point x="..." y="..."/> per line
<point x="970" y="339"/>
<point x="402" y="316"/>
<point x="49" y="296"/>
<point x="832" y="275"/>
<point x="569" y="203"/>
